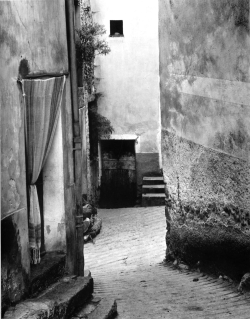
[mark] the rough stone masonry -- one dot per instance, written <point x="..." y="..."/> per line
<point x="205" y="94"/>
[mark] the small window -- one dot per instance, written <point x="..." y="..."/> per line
<point x="116" y="28"/>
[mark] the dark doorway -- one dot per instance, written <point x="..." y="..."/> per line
<point x="118" y="181"/>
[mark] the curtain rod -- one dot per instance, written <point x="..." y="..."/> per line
<point x="44" y="74"/>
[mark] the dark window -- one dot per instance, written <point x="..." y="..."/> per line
<point x="116" y="28"/>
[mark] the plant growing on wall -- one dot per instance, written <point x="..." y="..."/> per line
<point x="99" y="127"/>
<point x="88" y="45"/>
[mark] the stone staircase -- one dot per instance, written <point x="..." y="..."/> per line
<point x="153" y="191"/>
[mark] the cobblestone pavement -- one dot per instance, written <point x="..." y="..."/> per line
<point x="126" y="263"/>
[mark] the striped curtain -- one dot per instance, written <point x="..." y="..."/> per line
<point x="42" y="100"/>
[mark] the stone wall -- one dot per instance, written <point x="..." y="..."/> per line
<point x="205" y="94"/>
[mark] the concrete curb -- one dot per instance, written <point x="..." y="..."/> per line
<point x="58" y="301"/>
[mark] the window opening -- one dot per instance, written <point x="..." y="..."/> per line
<point x="116" y="28"/>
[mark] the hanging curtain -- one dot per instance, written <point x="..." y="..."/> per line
<point x="42" y="107"/>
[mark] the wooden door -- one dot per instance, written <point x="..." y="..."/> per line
<point x="118" y="182"/>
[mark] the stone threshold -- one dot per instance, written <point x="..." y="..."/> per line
<point x="50" y="270"/>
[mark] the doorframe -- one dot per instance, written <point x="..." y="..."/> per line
<point x="132" y="137"/>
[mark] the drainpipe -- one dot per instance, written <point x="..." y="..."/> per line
<point x="77" y="145"/>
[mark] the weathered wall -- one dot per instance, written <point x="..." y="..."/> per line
<point x="128" y="76"/>
<point x="36" y="31"/>
<point x="205" y="99"/>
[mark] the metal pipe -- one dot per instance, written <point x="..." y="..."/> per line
<point x="72" y="64"/>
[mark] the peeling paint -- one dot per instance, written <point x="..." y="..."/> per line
<point x="48" y="229"/>
<point x="13" y="197"/>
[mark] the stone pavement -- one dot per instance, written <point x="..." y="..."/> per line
<point x="126" y="263"/>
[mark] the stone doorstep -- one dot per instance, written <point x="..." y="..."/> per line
<point x="154" y="186"/>
<point x="50" y="270"/>
<point x="154" y="195"/>
<point x="58" y="301"/>
<point x="98" y="308"/>
<point x="153" y="189"/>
<point x="153" y="178"/>
<point x="153" y="200"/>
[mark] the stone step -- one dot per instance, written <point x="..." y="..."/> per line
<point x="153" y="189"/>
<point x="152" y="180"/>
<point x="58" y="301"/>
<point x="97" y="308"/>
<point x="49" y="271"/>
<point x="153" y="195"/>
<point x="153" y="200"/>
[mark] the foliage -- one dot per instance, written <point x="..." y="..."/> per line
<point x="88" y="45"/>
<point x="89" y="42"/>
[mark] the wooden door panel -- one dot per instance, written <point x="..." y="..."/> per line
<point x="118" y="188"/>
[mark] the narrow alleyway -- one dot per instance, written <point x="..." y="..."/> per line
<point x="126" y="264"/>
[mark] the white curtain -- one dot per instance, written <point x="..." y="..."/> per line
<point x="42" y="106"/>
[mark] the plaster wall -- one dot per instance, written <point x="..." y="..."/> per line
<point x="36" y="31"/>
<point x="205" y="94"/>
<point x="128" y="76"/>
<point x="205" y="72"/>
